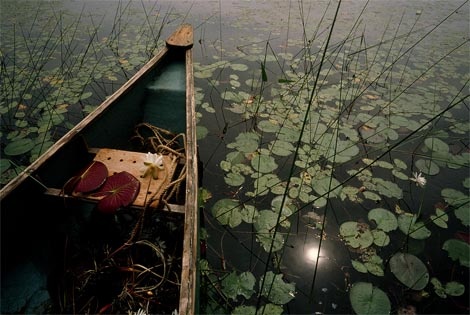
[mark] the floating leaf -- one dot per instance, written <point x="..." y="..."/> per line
<point x="454" y="197"/>
<point x="427" y="167"/>
<point x="267" y="239"/>
<point x="234" y="179"/>
<point x="367" y="299"/>
<point x="410" y="270"/>
<point x="359" y="266"/>
<point x="245" y="142"/>
<point x="436" y="144"/>
<point x="276" y="289"/>
<point x="380" y="238"/>
<point x="249" y="213"/>
<point x="227" y="212"/>
<point x="387" y="188"/>
<point x="325" y="185"/>
<point x="19" y="146"/>
<point x="385" y="220"/>
<point x="440" y="218"/>
<point x="458" y="250"/>
<point x="263" y="163"/>
<point x="90" y="178"/>
<point x="244" y="310"/>
<point x="266" y="220"/>
<point x="4" y="165"/>
<point x="234" y="285"/>
<point x="408" y="225"/>
<point x="356" y="235"/>
<point x="119" y="190"/>
<point x="454" y="288"/>
<point x="463" y="214"/>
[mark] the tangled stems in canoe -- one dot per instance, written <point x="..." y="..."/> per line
<point x="163" y="142"/>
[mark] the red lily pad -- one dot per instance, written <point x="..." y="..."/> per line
<point x="90" y="178"/>
<point x="119" y="190"/>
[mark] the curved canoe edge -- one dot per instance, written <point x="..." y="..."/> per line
<point x="182" y="37"/>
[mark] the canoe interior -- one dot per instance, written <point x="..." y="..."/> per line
<point x="41" y="234"/>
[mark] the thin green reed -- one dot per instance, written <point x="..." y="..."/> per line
<point x="299" y="141"/>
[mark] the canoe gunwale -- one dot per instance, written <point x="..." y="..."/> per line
<point x="187" y="301"/>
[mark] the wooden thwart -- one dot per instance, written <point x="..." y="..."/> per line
<point x="132" y="162"/>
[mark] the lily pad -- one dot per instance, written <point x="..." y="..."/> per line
<point x="427" y="167"/>
<point x="408" y="225"/>
<point x="234" y="285"/>
<point x="409" y="270"/>
<point x="458" y="250"/>
<point x="273" y="287"/>
<point x="19" y="146"/>
<point x="436" y="144"/>
<point x="356" y="235"/>
<point x="269" y="242"/>
<point x="119" y="190"/>
<point x="227" y="212"/>
<point x="367" y="299"/>
<point x="90" y="178"/>
<point x="263" y="163"/>
<point x="385" y="220"/>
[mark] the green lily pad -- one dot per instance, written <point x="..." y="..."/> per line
<point x="234" y="285"/>
<point x="408" y="225"/>
<point x="458" y="250"/>
<point x="275" y="289"/>
<point x="249" y="213"/>
<point x="452" y="288"/>
<point x="368" y="300"/>
<point x="385" y="220"/>
<point x="246" y="142"/>
<point x="263" y="163"/>
<point x="356" y="235"/>
<point x="267" y="239"/>
<point x="427" y="167"/>
<point x="387" y="188"/>
<point x="4" y="165"/>
<point x="463" y="214"/>
<point x="440" y="218"/>
<point x="409" y="270"/>
<point x="19" y="146"/>
<point x="436" y="144"/>
<point x="359" y="266"/>
<point x="234" y="179"/>
<point x="227" y="212"/>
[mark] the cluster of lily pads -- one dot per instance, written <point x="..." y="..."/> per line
<point x="358" y="139"/>
<point x="53" y="78"/>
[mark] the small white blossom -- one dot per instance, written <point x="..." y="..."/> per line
<point x="175" y="312"/>
<point x="418" y="179"/>
<point x="152" y="164"/>
<point x="139" y="312"/>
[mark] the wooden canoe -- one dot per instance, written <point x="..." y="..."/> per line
<point x="39" y="219"/>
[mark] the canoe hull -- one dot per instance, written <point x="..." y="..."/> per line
<point x="36" y="220"/>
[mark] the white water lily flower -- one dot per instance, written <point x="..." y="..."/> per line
<point x="152" y="164"/>
<point x="418" y="179"/>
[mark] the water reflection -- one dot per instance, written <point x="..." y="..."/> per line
<point x="311" y="253"/>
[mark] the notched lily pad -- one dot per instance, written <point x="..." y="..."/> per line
<point x="367" y="299"/>
<point x="89" y="179"/>
<point x="409" y="270"/>
<point x="119" y="190"/>
<point x="276" y="289"/>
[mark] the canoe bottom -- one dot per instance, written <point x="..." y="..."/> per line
<point x="79" y="264"/>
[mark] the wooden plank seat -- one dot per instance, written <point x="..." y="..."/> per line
<point x="151" y="189"/>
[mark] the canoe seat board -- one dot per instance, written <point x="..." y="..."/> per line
<point x="132" y="162"/>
